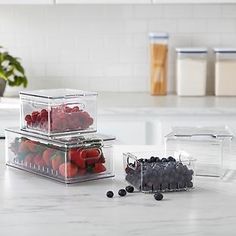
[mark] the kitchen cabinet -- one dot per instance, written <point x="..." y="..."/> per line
<point x="103" y="1"/>
<point x="19" y="2"/>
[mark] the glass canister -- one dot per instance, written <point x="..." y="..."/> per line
<point x="191" y="71"/>
<point x="225" y="71"/>
<point x="158" y="62"/>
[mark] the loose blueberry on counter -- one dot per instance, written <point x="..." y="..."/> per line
<point x="110" y="194"/>
<point x="129" y="189"/>
<point x="122" y="192"/>
<point x="158" y="196"/>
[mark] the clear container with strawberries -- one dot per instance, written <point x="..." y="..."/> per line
<point x="68" y="159"/>
<point x="58" y="111"/>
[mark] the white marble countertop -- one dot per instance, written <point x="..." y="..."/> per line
<point x="30" y="205"/>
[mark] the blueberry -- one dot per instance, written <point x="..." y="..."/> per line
<point x="153" y="159"/>
<point x="158" y="196"/>
<point x="141" y="160"/>
<point x="129" y="189"/>
<point x="164" y="159"/>
<point x="170" y="158"/>
<point x="122" y="192"/>
<point x="110" y="194"/>
<point x="190" y="184"/>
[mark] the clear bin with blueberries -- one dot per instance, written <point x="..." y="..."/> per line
<point x="68" y="159"/>
<point x="151" y="172"/>
<point x="209" y="145"/>
<point x="58" y="111"/>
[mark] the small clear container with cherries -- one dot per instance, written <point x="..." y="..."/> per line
<point x="58" y="111"/>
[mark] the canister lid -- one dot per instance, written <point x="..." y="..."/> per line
<point x="224" y="50"/>
<point x="191" y="50"/>
<point x="58" y="93"/>
<point x="158" y="35"/>
<point x="212" y="132"/>
<point x="66" y="140"/>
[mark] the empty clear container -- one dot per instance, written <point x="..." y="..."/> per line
<point x="149" y="172"/>
<point x="225" y="71"/>
<point x="208" y="145"/>
<point x="58" y="111"/>
<point x="158" y="62"/>
<point x="68" y="159"/>
<point x="191" y="71"/>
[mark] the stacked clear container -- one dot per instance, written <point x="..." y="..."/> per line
<point x="58" y="137"/>
<point x="59" y="111"/>
<point x="225" y="72"/>
<point x="191" y="71"/>
<point x="208" y="145"/>
<point x="148" y="172"/>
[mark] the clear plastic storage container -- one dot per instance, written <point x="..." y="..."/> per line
<point x="208" y="145"/>
<point x="58" y="111"/>
<point x="225" y="71"/>
<point x="158" y="62"/>
<point x="191" y="71"/>
<point x="68" y="159"/>
<point x="148" y="172"/>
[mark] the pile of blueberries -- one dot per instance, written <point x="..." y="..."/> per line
<point x="155" y="174"/>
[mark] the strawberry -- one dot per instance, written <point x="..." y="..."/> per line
<point x="81" y="172"/>
<point x="31" y="145"/>
<point x="78" y="157"/>
<point x="98" y="168"/>
<point x="92" y="156"/>
<point x="23" y="147"/>
<point x="47" y="154"/>
<point x="29" y="159"/>
<point x="68" y="170"/>
<point x="56" y="161"/>
<point x="38" y="160"/>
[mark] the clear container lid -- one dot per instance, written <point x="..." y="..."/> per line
<point x="224" y="50"/>
<point x="158" y="35"/>
<point x="58" y="93"/>
<point x="191" y="50"/>
<point x="212" y="132"/>
<point x="66" y="141"/>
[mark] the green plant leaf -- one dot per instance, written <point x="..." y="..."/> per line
<point x="3" y="75"/>
<point x="11" y="70"/>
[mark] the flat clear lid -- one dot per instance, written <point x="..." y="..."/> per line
<point x="214" y="132"/>
<point x="224" y="50"/>
<point x="191" y="50"/>
<point x="66" y="140"/>
<point x="158" y="35"/>
<point x="58" y="93"/>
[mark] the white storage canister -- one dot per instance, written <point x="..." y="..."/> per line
<point x="191" y="71"/>
<point x="225" y="71"/>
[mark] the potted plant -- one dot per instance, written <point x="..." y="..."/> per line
<point x="11" y="71"/>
